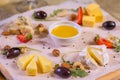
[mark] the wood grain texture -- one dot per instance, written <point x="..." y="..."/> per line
<point x="5" y="72"/>
<point x="111" y="6"/>
<point x="115" y="75"/>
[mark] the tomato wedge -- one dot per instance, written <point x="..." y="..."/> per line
<point x="79" y="16"/>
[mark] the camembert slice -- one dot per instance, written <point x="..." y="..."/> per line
<point x="95" y="55"/>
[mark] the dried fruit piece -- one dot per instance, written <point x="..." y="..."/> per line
<point x="73" y="17"/>
<point x="56" y="52"/>
<point x="78" y="65"/>
<point x="5" y="33"/>
<point x="66" y="65"/>
<point x="41" y="30"/>
<point x="7" y="47"/>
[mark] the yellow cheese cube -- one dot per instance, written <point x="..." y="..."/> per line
<point x="94" y="10"/>
<point x="98" y="15"/>
<point x="88" y="21"/>
<point x="31" y="69"/>
<point x="45" y="65"/>
<point x="91" y="8"/>
<point x="23" y="61"/>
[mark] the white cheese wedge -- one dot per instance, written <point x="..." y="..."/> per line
<point x="96" y="55"/>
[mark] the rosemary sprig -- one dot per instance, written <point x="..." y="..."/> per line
<point x="29" y="48"/>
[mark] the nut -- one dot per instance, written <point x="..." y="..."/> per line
<point x="56" y="52"/>
<point x="78" y="65"/>
<point x="72" y="17"/>
<point x="62" y="13"/>
<point x="5" y="33"/>
<point x="41" y="30"/>
<point x="7" y="47"/>
<point x="23" y="50"/>
<point x="86" y="66"/>
<point x="66" y="65"/>
<point x="14" y="32"/>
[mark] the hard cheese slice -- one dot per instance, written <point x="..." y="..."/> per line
<point x="95" y="55"/>
<point x="45" y="65"/>
<point x="31" y="69"/>
<point x="23" y="61"/>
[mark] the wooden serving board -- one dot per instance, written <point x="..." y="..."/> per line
<point x="9" y="67"/>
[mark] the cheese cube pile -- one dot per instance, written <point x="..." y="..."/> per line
<point x="94" y="15"/>
<point x="91" y="9"/>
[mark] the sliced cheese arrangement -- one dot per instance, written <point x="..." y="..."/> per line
<point x="32" y="67"/>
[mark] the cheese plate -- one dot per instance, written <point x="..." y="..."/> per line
<point x="9" y="66"/>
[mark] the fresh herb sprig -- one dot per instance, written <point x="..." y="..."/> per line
<point x="79" y="73"/>
<point x="25" y="47"/>
<point x="76" y="72"/>
<point x="117" y="45"/>
<point x="55" y="12"/>
<point x="117" y="48"/>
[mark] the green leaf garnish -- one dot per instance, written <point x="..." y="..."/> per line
<point x="79" y="73"/>
<point x="97" y="37"/>
<point x="56" y="66"/>
<point x="117" y="48"/>
<point x="29" y="36"/>
<point x="29" y="48"/>
<point x="4" y="52"/>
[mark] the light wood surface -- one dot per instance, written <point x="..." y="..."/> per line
<point x="111" y="6"/>
<point x="115" y="75"/>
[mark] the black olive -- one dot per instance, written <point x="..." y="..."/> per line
<point x="109" y="25"/>
<point x="40" y="15"/>
<point x="63" y="72"/>
<point x="13" y="52"/>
